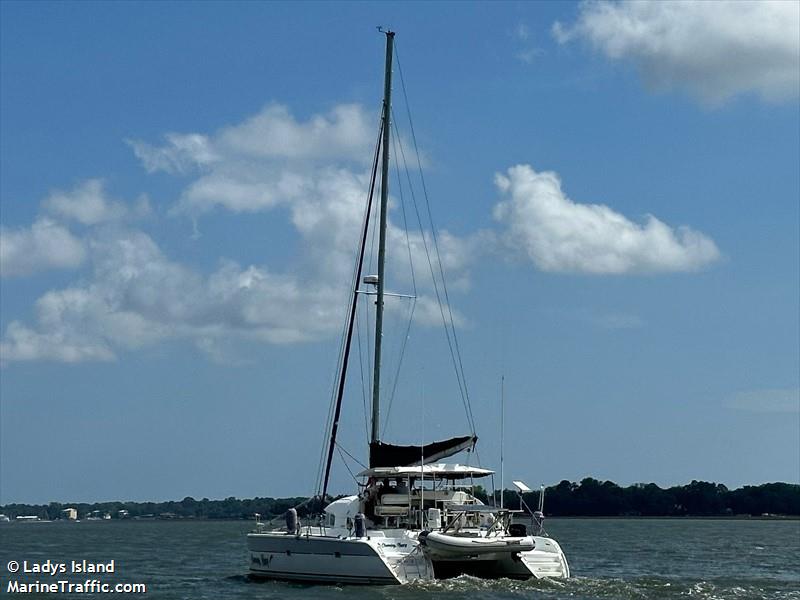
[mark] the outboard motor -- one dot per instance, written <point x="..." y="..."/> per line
<point x="434" y="518"/>
<point x="291" y="521"/>
<point x="517" y="530"/>
<point x="361" y="525"/>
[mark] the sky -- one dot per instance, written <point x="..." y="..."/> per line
<point x="614" y="187"/>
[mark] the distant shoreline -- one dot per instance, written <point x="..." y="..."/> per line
<point x="589" y="499"/>
<point x="789" y="518"/>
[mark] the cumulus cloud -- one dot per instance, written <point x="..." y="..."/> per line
<point x="48" y="243"/>
<point x="89" y="204"/>
<point x="317" y="171"/>
<point x="136" y="296"/>
<point x="180" y="154"/>
<point x="44" y="245"/>
<point x="561" y="235"/>
<point x="715" y="50"/>
<point x="22" y="344"/>
<point x="344" y="133"/>
<point x="270" y="159"/>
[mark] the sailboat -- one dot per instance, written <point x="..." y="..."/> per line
<point x="415" y="518"/>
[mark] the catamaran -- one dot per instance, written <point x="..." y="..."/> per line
<point x="415" y="517"/>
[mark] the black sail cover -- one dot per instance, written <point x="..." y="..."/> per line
<point x="391" y="455"/>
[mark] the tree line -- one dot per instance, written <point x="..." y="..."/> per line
<point x="589" y="498"/>
<point x="593" y="498"/>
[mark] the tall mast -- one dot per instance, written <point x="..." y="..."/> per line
<point x="387" y="111"/>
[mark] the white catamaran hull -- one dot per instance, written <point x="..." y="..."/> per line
<point x="327" y="559"/>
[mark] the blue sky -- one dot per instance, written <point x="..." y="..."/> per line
<point x="615" y="186"/>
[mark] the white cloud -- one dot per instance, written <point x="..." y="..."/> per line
<point x="45" y="245"/>
<point x="23" y="344"/>
<point x="315" y="170"/>
<point x="560" y="235"/>
<point x="715" y="50"/>
<point x="346" y="132"/>
<point x="767" y="401"/>
<point x="48" y="243"/>
<point x="268" y="160"/>
<point x="137" y="297"/>
<point x="181" y="153"/>
<point x="89" y="204"/>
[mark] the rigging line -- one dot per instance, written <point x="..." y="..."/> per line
<point x="341" y="351"/>
<point x="371" y="252"/>
<point x="352" y="310"/>
<point x="343" y="449"/>
<point x="459" y="375"/>
<point x="346" y="466"/>
<point x="441" y="312"/>
<point x="329" y="418"/>
<point x="332" y="402"/>
<point x="399" y="365"/>
<point x="403" y="202"/>
<point x="435" y="238"/>
<point x="367" y="319"/>
<point x="331" y="408"/>
<point x="438" y="254"/>
<point x="404" y="341"/>
<point x="329" y="422"/>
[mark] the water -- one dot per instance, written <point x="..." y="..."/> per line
<point x="609" y="558"/>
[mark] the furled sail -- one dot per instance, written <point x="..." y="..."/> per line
<point x="391" y="455"/>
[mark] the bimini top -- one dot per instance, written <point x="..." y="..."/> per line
<point x="382" y="454"/>
<point x="438" y="470"/>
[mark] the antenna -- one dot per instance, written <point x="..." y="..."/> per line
<point x="422" y="455"/>
<point x="502" y="433"/>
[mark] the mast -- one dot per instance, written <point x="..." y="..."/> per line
<point x="387" y="110"/>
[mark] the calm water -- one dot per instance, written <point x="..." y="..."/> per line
<point x="609" y="559"/>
